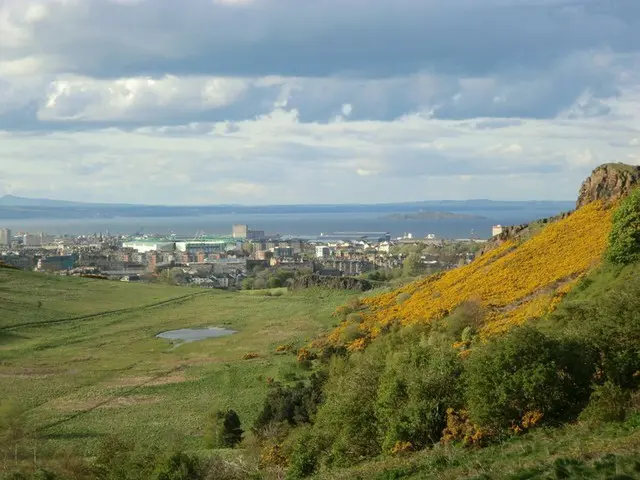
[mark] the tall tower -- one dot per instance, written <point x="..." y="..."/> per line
<point x="5" y="237"/>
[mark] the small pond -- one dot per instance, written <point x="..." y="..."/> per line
<point x="187" y="335"/>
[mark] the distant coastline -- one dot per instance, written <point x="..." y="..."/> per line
<point x="432" y="216"/>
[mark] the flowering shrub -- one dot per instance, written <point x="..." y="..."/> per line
<point x="512" y="283"/>
<point x="273" y="455"/>
<point x="401" y="448"/>
<point x="305" y="355"/>
<point x="284" y="348"/>
<point x="460" y="429"/>
<point x="528" y="421"/>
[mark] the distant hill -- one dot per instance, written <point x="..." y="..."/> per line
<point x="13" y="207"/>
<point x="433" y="215"/>
<point x="13" y="201"/>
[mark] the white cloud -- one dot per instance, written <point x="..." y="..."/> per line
<point x="237" y="100"/>
<point x="139" y="98"/>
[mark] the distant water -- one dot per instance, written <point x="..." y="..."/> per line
<point x="187" y="335"/>
<point x="304" y="225"/>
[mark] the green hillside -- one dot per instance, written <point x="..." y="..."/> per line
<point x="81" y="357"/>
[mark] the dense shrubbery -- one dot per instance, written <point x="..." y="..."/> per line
<point x="416" y="388"/>
<point x="410" y="389"/>
<point x="294" y="405"/>
<point x="526" y="372"/>
<point x="624" y="239"/>
<point x="605" y="314"/>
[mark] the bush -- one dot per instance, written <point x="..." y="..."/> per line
<point x="179" y="466"/>
<point x="624" y="239"/>
<point x="608" y="403"/>
<point x="121" y="460"/>
<point x="351" y="333"/>
<point x="295" y="405"/>
<point x="224" y="429"/>
<point x="305" y="455"/>
<point x="402" y="297"/>
<point x="525" y="372"/>
<point x="469" y="316"/>
<point x="609" y="321"/>
<point x="347" y="417"/>
<point x="418" y="385"/>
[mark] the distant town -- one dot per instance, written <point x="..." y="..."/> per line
<point x="232" y="261"/>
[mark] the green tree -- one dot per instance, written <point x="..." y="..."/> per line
<point x="412" y="265"/>
<point x="224" y="429"/>
<point x="624" y="239"/>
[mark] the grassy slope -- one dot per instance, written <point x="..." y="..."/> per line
<point x="85" y="363"/>
<point x="538" y="455"/>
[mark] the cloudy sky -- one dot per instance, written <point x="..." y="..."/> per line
<point x="323" y="101"/>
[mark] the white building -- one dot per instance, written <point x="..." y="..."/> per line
<point x="5" y="237"/>
<point x="496" y="230"/>
<point x="322" y="251"/>
<point x="149" y="246"/>
<point x="385" y="247"/>
<point x="208" y="246"/>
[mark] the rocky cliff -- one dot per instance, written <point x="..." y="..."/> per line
<point x="608" y="182"/>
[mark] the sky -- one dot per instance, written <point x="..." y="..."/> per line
<point x="323" y="101"/>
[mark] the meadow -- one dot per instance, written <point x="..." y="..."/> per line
<point x="80" y="356"/>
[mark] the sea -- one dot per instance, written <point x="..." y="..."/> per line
<point x="302" y="225"/>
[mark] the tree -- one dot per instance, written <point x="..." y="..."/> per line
<point x="412" y="265"/>
<point x="225" y="430"/>
<point x="624" y="239"/>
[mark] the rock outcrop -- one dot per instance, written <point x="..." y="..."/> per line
<point x="609" y="182"/>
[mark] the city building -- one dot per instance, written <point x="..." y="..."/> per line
<point x="208" y="246"/>
<point x="496" y="230"/>
<point x="37" y="239"/>
<point x="322" y="251"/>
<point x="240" y="231"/>
<point x="5" y="237"/>
<point x="57" y="263"/>
<point x="283" y="252"/>
<point x="145" y="246"/>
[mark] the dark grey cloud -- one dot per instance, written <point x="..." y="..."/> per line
<point x="370" y="38"/>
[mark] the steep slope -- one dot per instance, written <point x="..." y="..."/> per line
<point x="522" y="277"/>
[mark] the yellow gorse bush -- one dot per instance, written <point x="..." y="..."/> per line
<point x="514" y="282"/>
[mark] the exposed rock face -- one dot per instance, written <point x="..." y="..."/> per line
<point x="610" y="181"/>
<point x="607" y="182"/>
<point x="341" y="283"/>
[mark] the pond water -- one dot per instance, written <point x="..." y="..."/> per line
<point x="194" y="334"/>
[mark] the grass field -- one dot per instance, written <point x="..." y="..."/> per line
<point x="81" y="355"/>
